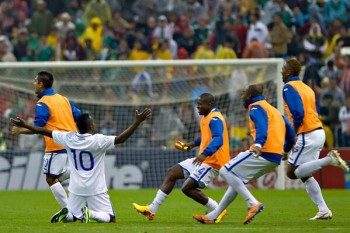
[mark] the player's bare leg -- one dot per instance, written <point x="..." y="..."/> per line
<point x="173" y="174"/>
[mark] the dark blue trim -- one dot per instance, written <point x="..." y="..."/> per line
<point x="63" y="151"/>
<point x="230" y="168"/>
<point x="48" y="91"/>
<point x="189" y="173"/>
<point x="204" y="173"/>
<point x="272" y="157"/>
<point x="49" y="165"/>
<point x="253" y="100"/>
<point x="293" y="78"/>
<point x="301" y="150"/>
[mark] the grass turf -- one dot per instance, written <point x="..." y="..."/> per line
<point x="285" y="211"/>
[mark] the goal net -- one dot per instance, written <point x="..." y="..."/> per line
<point x="111" y="91"/>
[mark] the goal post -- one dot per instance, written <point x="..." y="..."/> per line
<point x="111" y="90"/>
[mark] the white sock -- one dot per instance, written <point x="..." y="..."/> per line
<point x="64" y="176"/>
<point x="238" y="185"/>
<point x="60" y="194"/>
<point x="212" y="204"/>
<point x="157" y="201"/>
<point x="69" y="217"/>
<point x="314" y="191"/>
<point x="307" y="169"/>
<point x="100" y="216"/>
<point x="228" y="197"/>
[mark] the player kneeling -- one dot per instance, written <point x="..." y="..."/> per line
<point x="88" y="198"/>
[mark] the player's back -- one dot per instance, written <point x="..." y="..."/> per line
<point x="86" y="159"/>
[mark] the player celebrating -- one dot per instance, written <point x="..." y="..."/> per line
<point x="54" y="112"/>
<point x="300" y="105"/>
<point x="200" y="171"/>
<point x="88" y="198"/>
<point x="269" y="129"/>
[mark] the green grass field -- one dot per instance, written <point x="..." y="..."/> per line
<point x="285" y="211"/>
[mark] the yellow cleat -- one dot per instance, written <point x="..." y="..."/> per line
<point x="252" y="212"/>
<point x="202" y="218"/>
<point x="221" y="216"/>
<point x="144" y="210"/>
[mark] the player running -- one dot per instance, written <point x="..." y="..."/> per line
<point x="200" y="171"/>
<point x="272" y="135"/>
<point x="88" y="198"/>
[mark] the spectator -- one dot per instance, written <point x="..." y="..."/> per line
<point x="188" y="42"/>
<point x="279" y="37"/>
<point x="255" y="50"/>
<point x="344" y="117"/>
<point x="257" y="30"/>
<point x="99" y="9"/>
<point x="345" y="75"/>
<point x="329" y="115"/>
<point x="42" y="19"/>
<point x="330" y="70"/>
<point x="286" y="14"/>
<point x="21" y="47"/>
<point x="72" y="50"/>
<point x="5" y="55"/>
<point x="94" y="33"/>
<point x="336" y="9"/>
<point x="241" y="31"/>
<point x="314" y="42"/>
<point x="163" y="30"/>
<point x="64" y="25"/>
<point x="335" y="91"/>
<point x="143" y="9"/>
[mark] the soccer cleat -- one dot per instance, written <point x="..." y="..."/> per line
<point x="221" y="216"/>
<point x="60" y="216"/>
<point x="202" y="218"/>
<point x="252" y="212"/>
<point x="144" y="210"/>
<point x="86" y="214"/>
<point x="337" y="160"/>
<point x="322" y="216"/>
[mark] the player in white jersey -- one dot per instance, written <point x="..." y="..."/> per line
<point x="88" y="198"/>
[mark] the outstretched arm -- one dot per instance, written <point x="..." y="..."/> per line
<point x="38" y="130"/>
<point x="140" y="117"/>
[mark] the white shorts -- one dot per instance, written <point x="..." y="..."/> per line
<point x="203" y="174"/>
<point x="307" y="148"/>
<point x="55" y="164"/>
<point x="247" y="167"/>
<point x="98" y="203"/>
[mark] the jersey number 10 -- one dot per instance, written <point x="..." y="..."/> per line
<point x="80" y="160"/>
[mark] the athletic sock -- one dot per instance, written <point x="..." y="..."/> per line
<point x="211" y="204"/>
<point x="228" y="197"/>
<point x="158" y="201"/>
<point x="59" y="194"/>
<point x="314" y="191"/>
<point x="307" y="169"/>
<point x="238" y="185"/>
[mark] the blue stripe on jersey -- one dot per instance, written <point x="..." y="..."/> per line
<point x="301" y="150"/>
<point x="233" y="165"/>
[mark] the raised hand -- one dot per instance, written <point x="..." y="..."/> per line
<point x="17" y="122"/>
<point x="143" y="115"/>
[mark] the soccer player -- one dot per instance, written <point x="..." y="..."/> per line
<point x="54" y="112"/>
<point x="272" y="134"/>
<point x="300" y="105"/>
<point x="88" y="198"/>
<point x="201" y="170"/>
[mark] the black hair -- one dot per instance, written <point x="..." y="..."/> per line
<point x="208" y="98"/>
<point x="83" y="123"/>
<point x="254" y="90"/>
<point x="46" y="78"/>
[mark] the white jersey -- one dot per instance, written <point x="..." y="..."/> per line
<point x="86" y="154"/>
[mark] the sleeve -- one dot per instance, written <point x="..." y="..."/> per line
<point x="197" y="141"/>
<point x="106" y="142"/>
<point x="289" y="137"/>
<point x="295" y="104"/>
<point x="42" y="114"/>
<point x="59" y="137"/>
<point x="217" y="130"/>
<point x="259" y="117"/>
<point x="76" y="111"/>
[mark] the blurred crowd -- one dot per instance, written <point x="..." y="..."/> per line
<point x="314" y="31"/>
